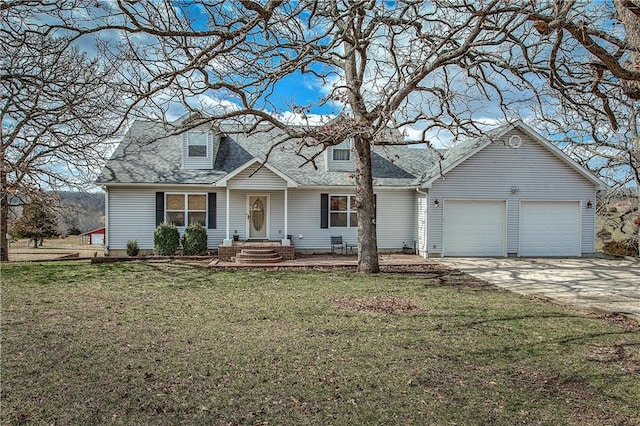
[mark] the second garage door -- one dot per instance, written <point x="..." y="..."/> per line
<point x="549" y="228"/>
<point x="474" y="228"/>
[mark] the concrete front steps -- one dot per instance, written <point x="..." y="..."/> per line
<point x="257" y="256"/>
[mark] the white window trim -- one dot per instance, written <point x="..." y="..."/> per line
<point x="338" y="147"/>
<point x="186" y="210"/>
<point x="205" y="144"/>
<point x="348" y="211"/>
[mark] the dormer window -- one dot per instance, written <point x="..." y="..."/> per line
<point x="342" y="151"/>
<point x="197" y="144"/>
<point x="199" y="149"/>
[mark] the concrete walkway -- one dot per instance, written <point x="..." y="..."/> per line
<point x="601" y="285"/>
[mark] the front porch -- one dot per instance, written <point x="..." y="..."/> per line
<point x="227" y="252"/>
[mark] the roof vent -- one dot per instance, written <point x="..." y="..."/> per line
<point x="515" y="141"/>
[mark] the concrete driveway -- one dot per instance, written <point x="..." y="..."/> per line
<point x="601" y="285"/>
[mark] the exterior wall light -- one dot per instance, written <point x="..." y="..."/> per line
<point x="436" y="203"/>
<point x="589" y="205"/>
<point x="515" y="189"/>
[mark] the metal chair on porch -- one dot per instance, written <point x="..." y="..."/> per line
<point x="336" y="243"/>
<point x="339" y="243"/>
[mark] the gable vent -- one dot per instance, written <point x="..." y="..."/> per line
<point x="515" y="141"/>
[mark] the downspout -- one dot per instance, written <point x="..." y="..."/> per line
<point x="425" y="248"/>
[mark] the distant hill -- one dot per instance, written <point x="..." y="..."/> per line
<point x="83" y="211"/>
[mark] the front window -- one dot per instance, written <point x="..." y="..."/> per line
<point x="343" y="211"/>
<point x="197" y="144"/>
<point x="342" y="151"/>
<point x="185" y="209"/>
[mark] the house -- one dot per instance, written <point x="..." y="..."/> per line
<point x="508" y="193"/>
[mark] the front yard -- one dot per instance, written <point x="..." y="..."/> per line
<point x="172" y="343"/>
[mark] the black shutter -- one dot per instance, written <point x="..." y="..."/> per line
<point x="159" y="208"/>
<point x="211" y="212"/>
<point x="324" y="210"/>
<point x="375" y="206"/>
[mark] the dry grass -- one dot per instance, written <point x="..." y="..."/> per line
<point x="175" y="343"/>
<point x="23" y="250"/>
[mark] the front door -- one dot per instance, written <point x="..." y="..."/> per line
<point x="258" y="216"/>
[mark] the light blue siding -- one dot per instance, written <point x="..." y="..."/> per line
<point x="422" y="220"/>
<point x="132" y="215"/>
<point x="257" y="178"/>
<point x="396" y="219"/>
<point x="200" y="163"/>
<point x="339" y="165"/>
<point x="498" y="172"/>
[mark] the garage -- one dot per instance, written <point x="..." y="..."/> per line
<point x="474" y="228"/>
<point x="550" y="228"/>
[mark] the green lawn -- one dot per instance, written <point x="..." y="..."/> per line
<point x="171" y="343"/>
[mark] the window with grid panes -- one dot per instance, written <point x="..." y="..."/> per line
<point x="342" y="211"/>
<point x="183" y="209"/>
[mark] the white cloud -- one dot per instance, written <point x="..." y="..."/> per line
<point x="296" y="118"/>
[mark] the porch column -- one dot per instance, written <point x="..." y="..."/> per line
<point x="286" y="213"/>
<point x="227" y="241"/>
<point x="286" y="218"/>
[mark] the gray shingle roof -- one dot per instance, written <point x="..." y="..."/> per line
<point x="152" y="153"/>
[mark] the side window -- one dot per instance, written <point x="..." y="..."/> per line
<point x="197" y="144"/>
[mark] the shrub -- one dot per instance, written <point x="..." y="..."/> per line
<point x="613" y="209"/>
<point x="132" y="248"/>
<point x="195" y="239"/>
<point x="166" y="239"/>
<point x="627" y="247"/>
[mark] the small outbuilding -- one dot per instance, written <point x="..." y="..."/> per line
<point x="94" y="237"/>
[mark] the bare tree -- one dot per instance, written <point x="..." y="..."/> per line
<point x="61" y="103"/>
<point x="380" y="66"/>
<point x="439" y="66"/>
<point x="594" y="76"/>
<point x="58" y="106"/>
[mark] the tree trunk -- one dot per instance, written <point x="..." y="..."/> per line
<point x="365" y="203"/>
<point x="4" y="215"/>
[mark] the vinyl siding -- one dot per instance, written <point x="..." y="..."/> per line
<point x="200" y="163"/>
<point x="132" y="216"/>
<point x="261" y="179"/>
<point x="339" y="165"/>
<point x="238" y="219"/>
<point x="491" y="173"/>
<point x="422" y="220"/>
<point x="396" y="219"/>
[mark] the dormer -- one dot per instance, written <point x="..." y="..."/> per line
<point x="340" y="157"/>
<point x="199" y="149"/>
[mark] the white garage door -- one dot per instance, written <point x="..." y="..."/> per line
<point x="549" y="228"/>
<point x="97" y="239"/>
<point x="474" y="228"/>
